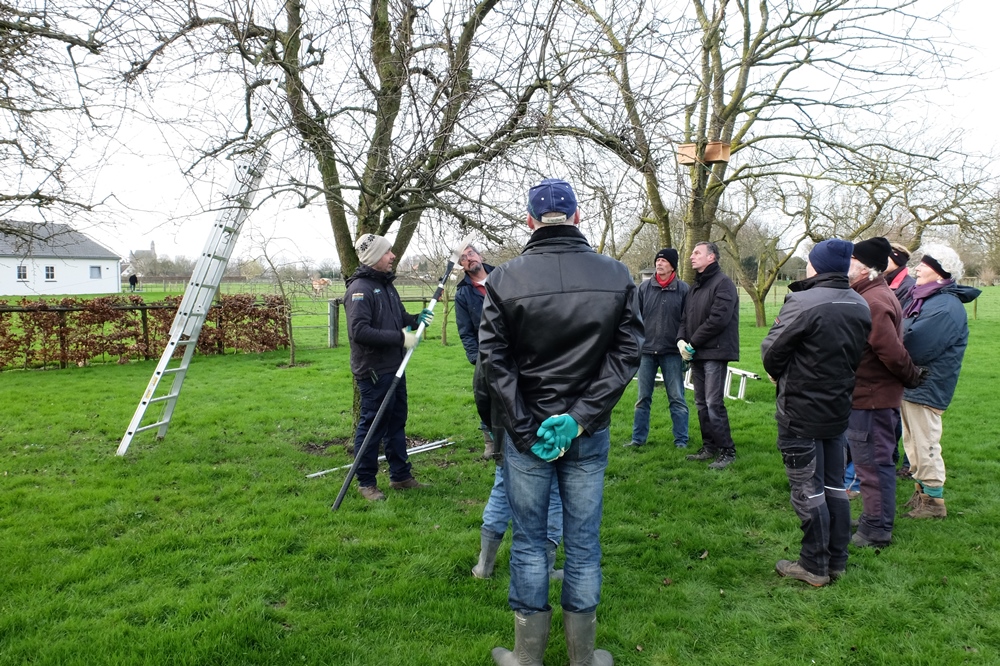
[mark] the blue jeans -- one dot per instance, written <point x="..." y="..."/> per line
<point x="391" y="429"/>
<point x="709" y="379"/>
<point x="815" y="469"/>
<point x="852" y="481"/>
<point x="496" y="515"/>
<point x="580" y="474"/>
<point x="672" y="367"/>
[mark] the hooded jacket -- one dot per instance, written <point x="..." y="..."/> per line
<point x="711" y="322"/>
<point x="885" y="364"/>
<point x="375" y="322"/>
<point x="813" y="350"/>
<point x="560" y="334"/>
<point x="468" y="312"/>
<point x="936" y="337"/>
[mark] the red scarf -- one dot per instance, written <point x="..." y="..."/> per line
<point x="898" y="278"/>
<point x="669" y="279"/>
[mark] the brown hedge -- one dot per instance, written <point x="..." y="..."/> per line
<point x="77" y="331"/>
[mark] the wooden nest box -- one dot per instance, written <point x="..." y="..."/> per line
<point x="715" y="151"/>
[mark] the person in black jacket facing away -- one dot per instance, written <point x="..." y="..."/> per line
<point x="709" y="337"/>
<point x="812" y="353"/>
<point x="378" y="329"/>
<point x="559" y="341"/>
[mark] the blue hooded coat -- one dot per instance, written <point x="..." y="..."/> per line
<point x="936" y="337"/>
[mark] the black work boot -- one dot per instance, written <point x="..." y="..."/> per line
<point x="581" y="631"/>
<point x="703" y="454"/>
<point x="723" y="460"/>
<point x="531" y="635"/>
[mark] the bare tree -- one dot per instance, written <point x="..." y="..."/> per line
<point x="49" y="66"/>
<point x="904" y="192"/>
<point x="771" y="82"/>
<point x="760" y="251"/>
<point x="399" y="108"/>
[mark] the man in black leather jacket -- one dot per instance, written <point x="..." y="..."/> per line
<point x="559" y="340"/>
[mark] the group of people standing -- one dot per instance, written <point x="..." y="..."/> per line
<point x="557" y="333"/>
<point x="851" y="363"/>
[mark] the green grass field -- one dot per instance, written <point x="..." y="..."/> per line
<point x="212" y="547"/>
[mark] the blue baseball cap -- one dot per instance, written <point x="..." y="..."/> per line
<point x="551" y="196"/>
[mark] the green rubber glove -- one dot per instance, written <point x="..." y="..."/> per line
<point x="425" y="317"/>
<point x="560" y="430"/>
<point x="547" y="451"/>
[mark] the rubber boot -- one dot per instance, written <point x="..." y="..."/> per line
<point x="550" y="553"/>
<point x="488" y="547"/>
<point x="929" y="507"/>
<point x="531" y="635"/>
<point x="581" y="631"/>
<point x="489" y="446"/>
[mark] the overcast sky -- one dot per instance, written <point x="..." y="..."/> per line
<point x="156" y="202"/>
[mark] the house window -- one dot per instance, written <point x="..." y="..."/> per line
<point x="95" y="272"/>
<point x="50" y="272"/>
<point x="22" y="272"/>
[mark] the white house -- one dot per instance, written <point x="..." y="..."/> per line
<point x="53" y="259"/>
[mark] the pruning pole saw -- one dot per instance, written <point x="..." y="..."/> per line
<point x="456" y="253"/>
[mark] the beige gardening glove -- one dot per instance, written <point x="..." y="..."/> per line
<point x="409" y="339"/>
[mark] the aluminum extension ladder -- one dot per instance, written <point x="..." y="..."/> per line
<point x="201" y="290"/>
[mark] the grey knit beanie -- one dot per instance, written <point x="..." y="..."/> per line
<point x="371" y="248"/>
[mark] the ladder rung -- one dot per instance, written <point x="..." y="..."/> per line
<point x="173" y="371"/>
<point x="149" y="427"/>
<point x="161" y="398"/>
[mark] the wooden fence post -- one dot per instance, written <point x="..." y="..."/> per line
<point x="145" y="332"/>
<point x="333" y="314"/>
<point x="63" y="345"/>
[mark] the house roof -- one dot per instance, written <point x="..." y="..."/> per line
<point x="50" y="240"/>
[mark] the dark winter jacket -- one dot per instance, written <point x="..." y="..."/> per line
<point x="375" y="322"/>
<point x="936" y="337"/>
<point x="813" y="350"/>
<point x="885" y="364"/>
<point x="711" y="321"/>
<point x="662" y="309"/>
<point x="901" y="284"/>
<point x="468" y="312"/>
<point x="560" y="334"/>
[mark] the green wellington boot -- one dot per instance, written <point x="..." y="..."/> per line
<point x="581" y="631"/>
<point x="531" y="635"/>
